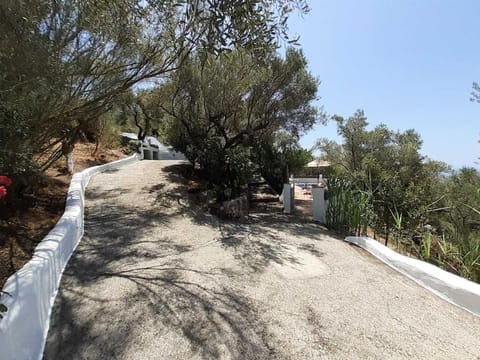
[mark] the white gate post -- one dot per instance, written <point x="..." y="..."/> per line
<point x="288" y="199"/>
<point x="141" y="150"/>
<point x="319" y="205"/>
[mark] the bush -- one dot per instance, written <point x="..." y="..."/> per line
<point x="228" y="170"/>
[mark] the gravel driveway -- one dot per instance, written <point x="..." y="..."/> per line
<point x="156" y="278"/>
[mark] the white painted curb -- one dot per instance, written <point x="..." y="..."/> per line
<point x="452" y="288"/>
<point x="32" y="289"/>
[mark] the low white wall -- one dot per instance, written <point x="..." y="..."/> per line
<point x="452" y="288"/>
<point x="33" y="288"/>
<point x="164" y="153"/>
<point x="306" y="180"/>
<point x="171" y="155"/>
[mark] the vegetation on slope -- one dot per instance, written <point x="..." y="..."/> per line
<point x="382" y="184"/>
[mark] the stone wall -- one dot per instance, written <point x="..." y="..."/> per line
<point x="234" y="209"/>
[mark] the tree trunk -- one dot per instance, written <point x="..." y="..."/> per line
<point x="69" y="158"/>
<point x="97" y="140"/>
<point x="11" y="255"/>
<point x="94" y="152"/>
<point x="67" y="149"/>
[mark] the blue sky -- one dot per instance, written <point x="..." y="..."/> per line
<point x="408" y="64"/>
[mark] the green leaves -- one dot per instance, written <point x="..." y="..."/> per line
<point x="387" y="165"/>
<point x="3" y="309"/>
<point x="348" y="208"/>
<point x="221" y="108"/>
<point x="64" y="63"/>
<point x="408" y="195"/>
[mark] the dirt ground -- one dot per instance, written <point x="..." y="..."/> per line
<point x="303" y="203"/>
<point x="155" y="277"/>
<point x="21" y="233"/>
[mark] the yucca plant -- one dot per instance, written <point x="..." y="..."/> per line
<point x="426" y="248"/>
<point x="447" y="254"/>
<point x="469" y="256"/>
<point x="397" y="223"/>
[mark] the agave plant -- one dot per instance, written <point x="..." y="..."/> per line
<point x="397" y="223"/>
<point x="469" y="256"/>
<point x="426" y="247"/>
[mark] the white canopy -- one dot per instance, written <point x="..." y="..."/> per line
<point x="318" y="163"/>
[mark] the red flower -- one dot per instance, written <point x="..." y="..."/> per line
<point x="3" y="191"/>
<point x="5" y="180"/>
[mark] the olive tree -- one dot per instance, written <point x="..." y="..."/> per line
<point x="64" y="62"/>
<point x="219" y="109"/>
<point x="388" y="168"/>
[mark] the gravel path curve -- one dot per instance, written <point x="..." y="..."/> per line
<point x="156" y="278"/>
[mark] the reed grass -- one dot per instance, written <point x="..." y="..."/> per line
<point x="350" y="210"/>
<point x="347" y="208"/>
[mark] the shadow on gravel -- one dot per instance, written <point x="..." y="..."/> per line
<point x="254" y="253"/>
<point x="112" y="171"/>
<point x="268" y="237"/>
<point x="89" y="321"/>
<point x="187" y="204"/>
<point x="106" y="194"/>
<point x="263" y="217"/>
<point x="217" y="321"/>
<point x="254" y="242"/>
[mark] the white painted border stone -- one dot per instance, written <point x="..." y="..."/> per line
<point x="450" y="287"/>
<point x="33" y="288"/>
